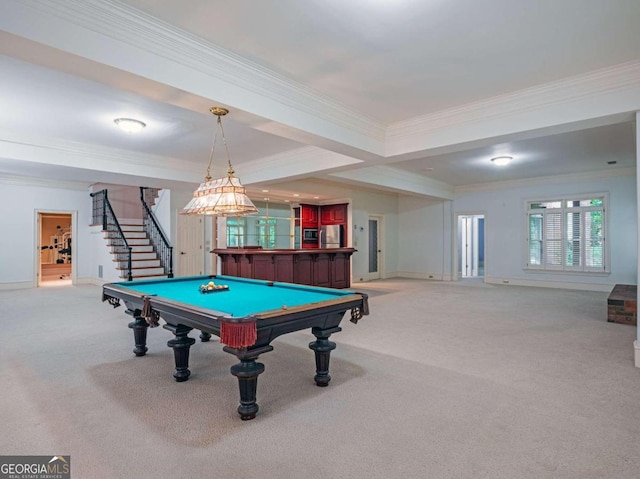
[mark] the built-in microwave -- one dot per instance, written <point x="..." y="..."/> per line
<point x="310" y="235"/>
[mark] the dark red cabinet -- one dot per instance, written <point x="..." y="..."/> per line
<point x="309" y="216"/>
<point x="333" y="214"/>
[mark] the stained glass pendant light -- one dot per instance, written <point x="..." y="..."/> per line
<point x="224" y="196"/>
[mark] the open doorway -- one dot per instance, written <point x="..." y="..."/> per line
<point x="471" y="257"/>
<point x="55" y="247"/>
<point x="376" y="259"/>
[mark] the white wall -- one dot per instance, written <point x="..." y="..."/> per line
<point x="19" y="201"/>
<point x="424" y="240"/>
<point x="162" y="211"/>
<point x="425" y="246"/>
<point x="364" y="204"/>
<point x="637" y="343"/>
<point x="101" y="257"/>
<point x="17" y="250"/>
<point x="417" y="238"/>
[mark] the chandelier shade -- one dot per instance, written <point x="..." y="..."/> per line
<point x="224" y="196"/>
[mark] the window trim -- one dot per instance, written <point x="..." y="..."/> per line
<point x="563" y="268"/>
<point x="239" y="223"/>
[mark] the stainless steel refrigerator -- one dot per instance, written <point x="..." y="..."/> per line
<point x="332" y="236"/>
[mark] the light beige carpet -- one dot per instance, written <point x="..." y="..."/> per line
<point x="442" y="380"/>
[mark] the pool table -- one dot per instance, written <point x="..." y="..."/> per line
<point x="246" y="314"/>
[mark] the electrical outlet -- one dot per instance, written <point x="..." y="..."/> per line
<point x="505" y="281"/>
<point x="430" y="276"/>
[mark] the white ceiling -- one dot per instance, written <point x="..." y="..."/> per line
<point x="396" y="59"/>
<point x="325" y="81"/>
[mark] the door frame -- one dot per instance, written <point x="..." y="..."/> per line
<point x="37" y="266"/>
<point x="456" y="243"/>
<point x="381" y="246"/>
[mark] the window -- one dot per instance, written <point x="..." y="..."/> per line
<point x="273" y="228"/>
<point x="235" y="232"/>
<point x="266" y="232"/>
<point x="567" y="234"/>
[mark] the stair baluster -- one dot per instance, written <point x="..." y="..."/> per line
<point x="158" y="239"/>
<point x="103" y="213"/>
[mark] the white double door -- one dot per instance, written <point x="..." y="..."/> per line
<point x="471" y="246"/>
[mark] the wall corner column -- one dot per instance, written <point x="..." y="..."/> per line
<point x="636" y="343"/>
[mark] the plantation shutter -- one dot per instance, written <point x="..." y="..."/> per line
<point x="567" y="235"/>
<point x="594" y="240"/>
<point x="553" y="240"/>
<point x="574" y="240"/>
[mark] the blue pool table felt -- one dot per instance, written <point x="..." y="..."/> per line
<point x="243" y="298"/>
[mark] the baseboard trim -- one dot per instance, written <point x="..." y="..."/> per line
<point x="32" y="284"/>
<point x="18" y="285"/>
<point x="636" y="346"/>
<point x="605" y="288"/>
<point x="93" y="281"/>
<point x="427" y="276"/>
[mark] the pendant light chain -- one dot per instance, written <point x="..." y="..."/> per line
<point x="230" y="171"/>
<point x="224" y="196"/>
<point x="213" y="147"/>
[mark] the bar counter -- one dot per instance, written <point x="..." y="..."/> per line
<point x="329" y="268"/>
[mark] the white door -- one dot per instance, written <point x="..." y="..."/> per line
<point x="375" y="248"/>
<point x="471" y="246"/>
<point x="190" y="247"/>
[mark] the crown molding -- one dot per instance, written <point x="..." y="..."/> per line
<point x="397" y="180"/>
<point x="576" y="177"/>
<point x="14" y="180"/>
<point x="292" y="163"/>
<point x="79" y="155"/>
<point x="139" y="30"/>
<point x="616" y="78"/>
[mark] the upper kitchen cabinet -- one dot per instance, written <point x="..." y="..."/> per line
<point x="333" y="214"/>
<point x="309" y="216"/>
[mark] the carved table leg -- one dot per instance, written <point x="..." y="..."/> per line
<point x="140" y="327"/>
<point x="247" y="372"/>
<point x="323" y="347"/>
<point x="180" y="344"/>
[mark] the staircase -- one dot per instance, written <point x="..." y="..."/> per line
<point x="145" y="263"/>
<point x="139" y="248"/>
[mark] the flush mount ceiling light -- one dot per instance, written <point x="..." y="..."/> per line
<point x="501" y="160"/>
<point x="129" y="125"/>
<point x="225" y="196"/>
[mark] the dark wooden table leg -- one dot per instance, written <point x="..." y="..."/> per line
<point x="204" y="337"/>
<point x="323" y="347"/>
<point x="139" y="327"/>
<point x="247" y="372"/>
<point x="180" y="345"/>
